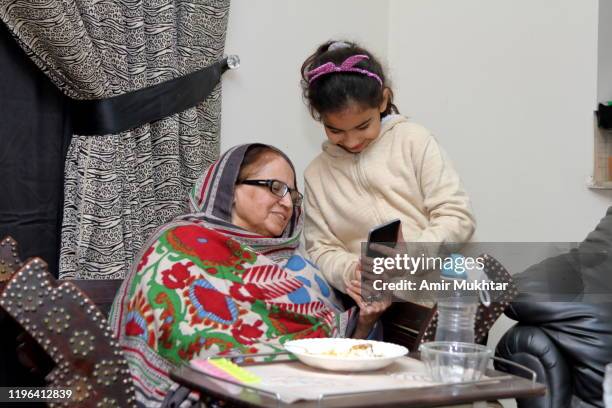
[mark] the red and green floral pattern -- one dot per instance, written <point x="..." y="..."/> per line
<point x="197" y="293"/>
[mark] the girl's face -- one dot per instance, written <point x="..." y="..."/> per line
<point x="256" y="208"/>
<point x="354" y="127"/>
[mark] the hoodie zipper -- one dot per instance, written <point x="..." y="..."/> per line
<point x="363" y="185"/>
<point x="358" y="175"/>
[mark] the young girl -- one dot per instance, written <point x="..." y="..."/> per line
<point x="375" y="166"/>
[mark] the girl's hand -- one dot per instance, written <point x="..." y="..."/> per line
<point x="400" y="235"/>
<point x="369" y="312"/>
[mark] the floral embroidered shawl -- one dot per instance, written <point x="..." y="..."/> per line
<point x="203" y="287"/>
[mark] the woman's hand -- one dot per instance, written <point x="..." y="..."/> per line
<point x="369" y="312"/>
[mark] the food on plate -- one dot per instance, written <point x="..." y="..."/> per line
<point x="337" y="354"/>
<point x="356" y="350"/>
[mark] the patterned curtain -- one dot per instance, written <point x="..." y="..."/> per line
<point x="119" y="188"/>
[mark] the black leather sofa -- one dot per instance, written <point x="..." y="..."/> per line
<point x="564" y="329"/>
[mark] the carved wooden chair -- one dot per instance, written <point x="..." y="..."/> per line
<point x="409" y="324"/>
<point x="9" y="260"/>
<point x="64" y="322"/>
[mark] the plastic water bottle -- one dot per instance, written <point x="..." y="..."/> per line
<point x="456" y="309"/>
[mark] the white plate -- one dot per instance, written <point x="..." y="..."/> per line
<point x="315" y="353"/>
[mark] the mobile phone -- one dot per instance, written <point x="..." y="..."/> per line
<point x="385" y="234"/>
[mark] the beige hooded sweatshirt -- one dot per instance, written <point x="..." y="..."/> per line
<point x="402" y="174"/>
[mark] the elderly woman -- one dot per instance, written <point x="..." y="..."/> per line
<point x="227" y="278"/>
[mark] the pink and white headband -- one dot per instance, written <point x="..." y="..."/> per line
<point x="347" y="66"/>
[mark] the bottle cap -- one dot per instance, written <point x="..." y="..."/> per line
<point x="449" y="269"/>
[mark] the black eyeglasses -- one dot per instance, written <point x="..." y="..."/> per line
<point x="278" y="188"/>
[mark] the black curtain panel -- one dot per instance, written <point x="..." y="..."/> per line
<point x="34" y="135"/>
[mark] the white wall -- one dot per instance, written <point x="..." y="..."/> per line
<point x="604" y="89"/>
<point x="509" y="88"/>
<point x="262" y="100"/>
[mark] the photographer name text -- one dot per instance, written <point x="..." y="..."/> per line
<point x="443" y="285"/>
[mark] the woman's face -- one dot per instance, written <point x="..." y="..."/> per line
<point x="256" y="208"/>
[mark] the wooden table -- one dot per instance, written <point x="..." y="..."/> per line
<point x="507" y="386"/>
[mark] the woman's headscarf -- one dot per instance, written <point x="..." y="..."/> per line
<point x="211" y="200"/>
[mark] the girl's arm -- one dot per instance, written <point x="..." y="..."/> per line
<point x="324" y="249"/>
<point x="447" y="203"/>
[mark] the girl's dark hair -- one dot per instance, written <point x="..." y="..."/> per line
<point x="334" y="92"/>
<point x="252" y="156"/>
